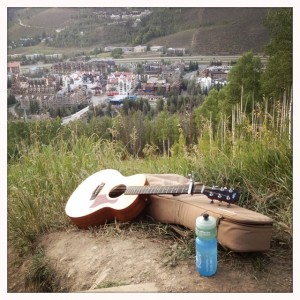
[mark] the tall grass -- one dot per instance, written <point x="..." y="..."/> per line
<point x="252" y="153"/>
<point x="41" y="181"/>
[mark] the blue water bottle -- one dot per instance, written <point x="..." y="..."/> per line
<point x="206" y="245"/>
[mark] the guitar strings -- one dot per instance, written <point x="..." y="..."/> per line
<point x="178" y="189"/>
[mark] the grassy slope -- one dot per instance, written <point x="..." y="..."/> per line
<point x="207" y="30"/>
<point x="49" y="169"/>
<point x="223" y="30"/>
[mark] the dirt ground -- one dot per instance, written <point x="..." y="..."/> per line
<point x="93" y="261"/>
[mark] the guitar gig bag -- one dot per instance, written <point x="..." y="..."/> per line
<point x="239" y="229"/>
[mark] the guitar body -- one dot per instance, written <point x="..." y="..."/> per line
<point x="101" y="198"/>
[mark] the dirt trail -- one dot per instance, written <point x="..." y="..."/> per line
<point x="89" y="261"/>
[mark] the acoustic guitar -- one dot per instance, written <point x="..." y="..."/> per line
<point x="108" y="195"/>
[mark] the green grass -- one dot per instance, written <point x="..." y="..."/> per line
<point x="40" y="276"/>
<point x="41" y="180"/>
<point x="109" y="284"/>
<point x="47" y="161"/>
<point x="40" y="183"/>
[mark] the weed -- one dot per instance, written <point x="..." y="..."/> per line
<point x="108" y="284"/>
<point x="40" y="276"/>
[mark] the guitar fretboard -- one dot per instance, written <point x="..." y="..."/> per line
<point x="147" y="190"/>
<point x="221" y="194"/>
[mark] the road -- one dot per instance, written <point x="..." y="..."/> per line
<point x="198" y="58"/>
<point x="201" y="59"/>
<point x="96" y="100"/>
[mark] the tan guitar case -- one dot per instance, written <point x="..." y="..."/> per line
<point x="239" y="229"/>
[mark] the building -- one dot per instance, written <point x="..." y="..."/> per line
<point x="172" y="71"/>
<point x="217" y="72"/>
<point x="59" y="100"/>
<point x="205" y="83"/>
<point x="213" y="76"/>
<point x="13" y="67"/>
<point x="153" y="68"/>
<point x="124" y="49"/>
<point x="52" y="57"/>
<point x="56" y="91"/>
<point x="13" y="57"/>
<point x="119" y="99"/>
<point x="154" y="86"/>
<point x="100" y="66"/>
<point x="176" y="51"/>
<point x="115" y="17"/>
<point x="157" y="48"/>
<point x="35" y="56"/>
<point x="140" y="49"/>
<point x="121" y="83"/>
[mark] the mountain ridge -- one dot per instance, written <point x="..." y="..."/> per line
<point x="199" y="30"/>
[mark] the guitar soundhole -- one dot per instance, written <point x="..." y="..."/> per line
<point x="117" y="191"/>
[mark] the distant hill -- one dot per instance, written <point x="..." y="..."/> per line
<point x="222" y="31"/>
<point x="199" y="30"/>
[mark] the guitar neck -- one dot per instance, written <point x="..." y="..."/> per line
<point x="152" y="190"/>
<point x="221" y="194"/>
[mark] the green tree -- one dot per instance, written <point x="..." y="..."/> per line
<point x="244" y="81"/>
<point x="191" y="86"/>
<point x="160" y="105"/>
<point x="166" y="130"/>
<point x="11" y="99"/>
<point x="117" y="53"/>
<point x="34" y="107"/>
<point x="208" y="110"/>
<point x="179" y="148"/>
<point x="139" y="69"/>
<point x="278" y="76"/>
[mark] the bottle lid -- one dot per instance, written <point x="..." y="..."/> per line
<point x="206" y="222"/>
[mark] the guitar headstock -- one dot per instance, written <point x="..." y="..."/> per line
<point x="222" y="194"/>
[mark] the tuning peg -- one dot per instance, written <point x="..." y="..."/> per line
<point x="211" y="195"/>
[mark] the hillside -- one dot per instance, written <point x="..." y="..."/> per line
<point x="199" y="30"/>
<point x="222" y="31"/>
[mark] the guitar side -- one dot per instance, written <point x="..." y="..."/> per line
<point x="100" y="198"/>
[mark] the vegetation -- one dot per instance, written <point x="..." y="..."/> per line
<point x="237" y="136"/>
<point x="280" y="50"/>
<point x="11" y="99"/>
<point x="195" y="29"/>
<point x="53" y="159"/>
<point x="117" y="53"/>
<point x="40" y="276"/>
<point x="162" y="22"/>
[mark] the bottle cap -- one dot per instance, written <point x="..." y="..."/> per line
<point x="206" y="226"/>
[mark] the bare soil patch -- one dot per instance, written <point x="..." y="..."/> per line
<point x="93" y="260"/>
